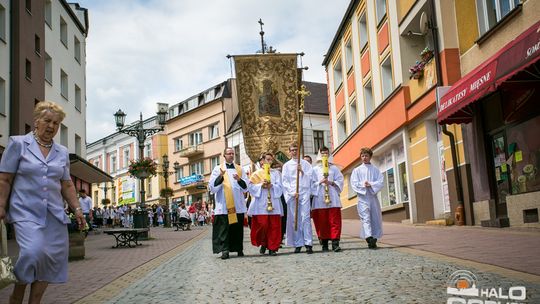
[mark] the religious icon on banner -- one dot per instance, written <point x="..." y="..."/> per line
<point x="268" y="102"/>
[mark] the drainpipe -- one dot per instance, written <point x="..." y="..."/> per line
<point x="457" y="174"/>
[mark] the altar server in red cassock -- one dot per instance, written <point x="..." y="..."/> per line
<point x="326" y="210"/>
<point x="265" y="208"/>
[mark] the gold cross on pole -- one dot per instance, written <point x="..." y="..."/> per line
<point x="302" y="93"/>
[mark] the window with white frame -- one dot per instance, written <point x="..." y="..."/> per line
<point x="78" y="145"/>
<point x="380" y="6"/>
<point x="48" y="13"/>
<point x="195" y="138"/>
<point x="387" y="196"/>
<point x="77" y="49"/>
<point x="63" y="32"/>
<point x="490" y="12"/>
<point x="342" y="128"/>
<point x="48" y="68"/>
<point x="353" y="114"/>
<point x="368" y="98"/>
<point x="338" y="75"/>
<point x="3" y="23"/>
<point x="63" y="84"/>
<point x="214" y="161"/>
<point x="148" y="150"/>
<point x="318" y="140"/>
<point x="64" y="135"/>
<point x="78" y="96"/>
<point x="213" y="131"/>
<point x="349" y="55"/>
<point x="126" y="158"/>
<point x="196" y="168"/>
<point x="386" y="76"/>
<point x="113" y="162"/>
<point x="362" y="31"/>
<point x="178" y="144"/>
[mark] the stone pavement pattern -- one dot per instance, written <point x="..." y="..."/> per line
<point x="104" y="264"/>
<point x="356" y="275"/>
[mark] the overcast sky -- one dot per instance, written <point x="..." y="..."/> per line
<point x="148" y="51"/>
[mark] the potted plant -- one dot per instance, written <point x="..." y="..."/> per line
<point x="76" y="239"/>
<point x="426" y="54"/>
<point x="166" y="192"/>
<point x="417" y="70"/>
<point x="142" y="168"/>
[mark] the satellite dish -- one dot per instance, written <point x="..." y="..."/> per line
<point x="423" y="23"/>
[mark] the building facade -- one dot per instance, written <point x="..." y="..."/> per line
<point x="196" y="140"/>
<point x="383" y="67"/>
<point x="113" y="154"/>
<point x="496" y="103"/>
<point x="40" y="43"/>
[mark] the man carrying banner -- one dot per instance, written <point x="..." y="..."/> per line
<point x="227" y="182"/>
<point x="327" y="186"/>
<point x="265" y="208"/>
<point x="302" y="235"/>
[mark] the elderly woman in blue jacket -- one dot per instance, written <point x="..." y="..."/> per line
<point x="35" y="180"/>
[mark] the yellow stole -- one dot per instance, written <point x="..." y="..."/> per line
<point x="229" y="198"/>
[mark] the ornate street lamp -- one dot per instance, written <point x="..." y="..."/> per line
<point x="166" y="192"/>
<point x="138" y="131"/>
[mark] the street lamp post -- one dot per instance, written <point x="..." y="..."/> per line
<point x="105" y="188"/>
<point x="165" y="173"/>
<point x="138" y="131"/>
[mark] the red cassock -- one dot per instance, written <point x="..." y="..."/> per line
<point x="327" y="223"/>
<point x="266" y="231"/>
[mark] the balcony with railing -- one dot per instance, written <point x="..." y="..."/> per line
<point x="191" y="151"/>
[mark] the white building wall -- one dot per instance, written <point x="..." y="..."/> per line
<point x="63" y="58"/>
<point x="4" y="73"/>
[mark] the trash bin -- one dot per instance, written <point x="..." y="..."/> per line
<point x="140" y="219"/>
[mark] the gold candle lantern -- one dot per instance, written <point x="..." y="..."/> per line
<point x="266" y="168"/>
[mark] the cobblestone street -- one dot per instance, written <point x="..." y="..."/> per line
<point x="356" y="275"/>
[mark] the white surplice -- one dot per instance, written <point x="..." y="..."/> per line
<point x="334" y="175"/>
<point x="303" y="235"/>
<point x="259" y="196"/>
<point x="238" y="192"/>
<point x="369" y="208"/>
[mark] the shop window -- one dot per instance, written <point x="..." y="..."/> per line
<point x="403" y="182"/>
<point x="523" y="144"/>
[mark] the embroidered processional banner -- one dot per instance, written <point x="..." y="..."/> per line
<point x="267" y="101"/>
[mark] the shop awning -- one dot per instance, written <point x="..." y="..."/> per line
<point x="87" y="172"/>
<point x="513" y="58"/>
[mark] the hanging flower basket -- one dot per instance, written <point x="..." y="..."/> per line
<point x="142" y="168"/>
<point x="105" y="201"/>
<point x="166" y="192"/>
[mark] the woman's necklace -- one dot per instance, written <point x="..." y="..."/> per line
<point x="48" y="146"/>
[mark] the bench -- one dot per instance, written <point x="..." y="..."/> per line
<point x="126" y="237"/>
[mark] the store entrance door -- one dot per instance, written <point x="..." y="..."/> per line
<point x="501" y="173"/>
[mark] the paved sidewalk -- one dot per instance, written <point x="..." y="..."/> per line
<point x="504" y="247"/>
<point x="104" y="264"/>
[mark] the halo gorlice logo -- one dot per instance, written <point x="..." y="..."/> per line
<point x="462" y="285"/>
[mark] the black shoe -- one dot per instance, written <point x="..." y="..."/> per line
<point x="272" y="253"/>
<point x="240" y="253"/>
<point x="309" y="249"/>
<point x="335" y="246"/>
<point x="369" y="241"/>
<point x="297" y="249"/>
<point x="224" y="255"/>
<point x="324" y="244"/>
<point x="262" y="250"/>
<point x="374" y="243"/>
